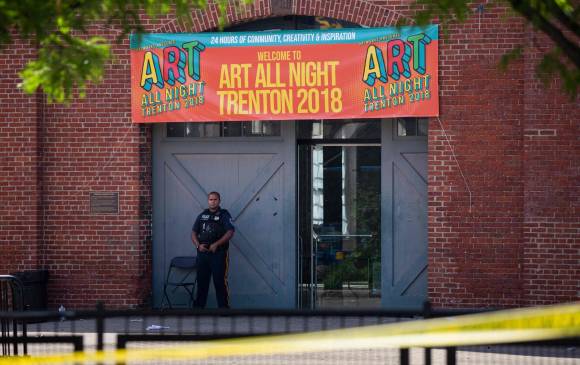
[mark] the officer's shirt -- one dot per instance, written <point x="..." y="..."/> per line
<point x="210" y="227"/>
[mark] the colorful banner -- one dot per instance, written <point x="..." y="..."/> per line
<point x="277" y="75"/>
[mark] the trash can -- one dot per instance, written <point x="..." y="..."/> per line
<point x="34" y="288"/>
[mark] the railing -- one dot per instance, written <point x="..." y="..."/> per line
<point x="90" y="330"/>
<point x="11" y="299"/>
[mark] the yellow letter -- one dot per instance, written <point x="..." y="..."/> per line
<point x="260" y="76"/>
<point x="225" y="77"/>
<point x="374" y="66"/>
<point x="151" y="72"/>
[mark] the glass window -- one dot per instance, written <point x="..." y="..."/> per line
<point x="261" y="129"/>
<point x="224" y="129"/>
<point x="232" y="129"/>
<point x="340" y="221"/>
<point x="423" y="126"/>
<point x="406" y="127"/>
<point x="175" y="129"/>
<point x="412" y="127"/>
<point x="340" y="129"/>
<point x="201" y="130"/>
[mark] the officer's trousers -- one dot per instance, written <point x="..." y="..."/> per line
<point x="212" y="264"/>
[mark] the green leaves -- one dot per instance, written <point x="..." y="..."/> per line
<point x="565" y="5"/>
<point x="551" y="64"/>
<point x="65" y="63"/>
<point x="68" y="59"/>
<point x="446" y="11"/>
<point x="558" y="19"/>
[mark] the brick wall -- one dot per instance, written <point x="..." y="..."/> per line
<point x="551" y="153"/>
<point x="503" y="172"/>
<point x="475" y="168"/>
<point x="92" y="146"/>
<point x="504" y="225"/>
<point x="20" y="172"/>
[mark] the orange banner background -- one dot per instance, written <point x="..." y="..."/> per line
<point x="245" y="83"/>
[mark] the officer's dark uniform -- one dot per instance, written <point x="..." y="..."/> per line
<point x="209" y="228"/>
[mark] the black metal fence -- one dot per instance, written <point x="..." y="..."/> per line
<point x="44" y="333"/>
<point x="11" y="300"/>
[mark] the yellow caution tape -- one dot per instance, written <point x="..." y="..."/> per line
<point x="516" y="325"/>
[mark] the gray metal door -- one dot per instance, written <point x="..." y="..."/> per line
<point x="404" y="219"/>
<point x="256" y="178"/>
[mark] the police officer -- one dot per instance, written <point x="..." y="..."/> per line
<point x="211" y="234"/>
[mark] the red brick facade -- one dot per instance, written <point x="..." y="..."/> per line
<point x="504" y="167"/>
<point x="20" y="180"/>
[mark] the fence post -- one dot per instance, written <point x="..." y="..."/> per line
<point x="121" y="345"/>
<point x="427" y="315"/>
<point x="451" y="355"/>
<point x="100" y="327"/>
<point x="404" y="357"/>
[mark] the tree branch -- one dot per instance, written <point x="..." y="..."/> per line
<point x="564" y="18"/>
<point x="571" y="50"/>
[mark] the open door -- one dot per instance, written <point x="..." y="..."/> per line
<point x="340" y="221"/>
<point x="362" y="218"/>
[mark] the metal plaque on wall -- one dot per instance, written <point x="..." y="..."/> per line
<point x="104" y="202"/>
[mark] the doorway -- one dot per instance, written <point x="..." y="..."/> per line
<point x="252" y="165"/>
<point x="339" y="215"/>
<point x="362" y="213"/>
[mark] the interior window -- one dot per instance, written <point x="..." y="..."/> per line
<point x="412" y="127"/>
<point x="224" y="129"/>
<point x="339" y="129"/>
